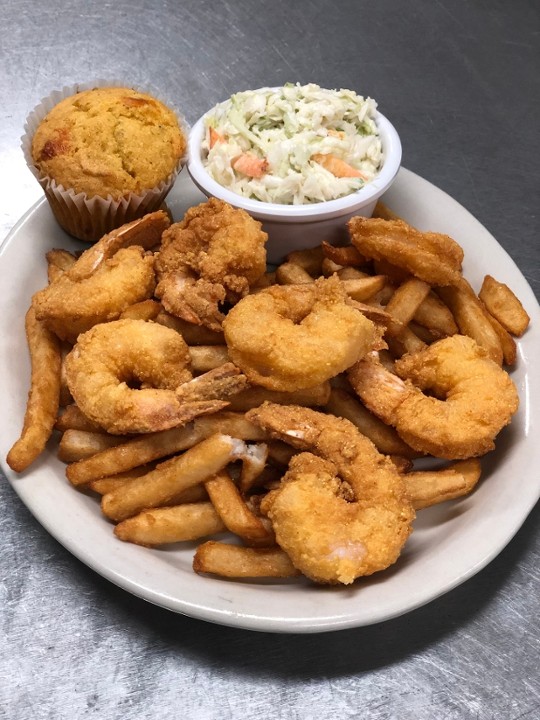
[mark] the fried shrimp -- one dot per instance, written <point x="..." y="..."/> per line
<point x="342" y="510"/>
<point x="293" y="337"/>
<point x="69" y="306"/>
<point x="123" y="375"/>
<point x="432" y="257"/>
<point x="473" y="398"/>
<point x="214" y="255"/>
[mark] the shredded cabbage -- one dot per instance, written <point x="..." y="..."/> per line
<point x="289" y="145"/>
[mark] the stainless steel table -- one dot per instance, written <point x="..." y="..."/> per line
<point x="461" y="82"/>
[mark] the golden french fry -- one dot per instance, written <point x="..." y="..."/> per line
<point x="351" y="273"/>
<point x="145" y="449"/>
<point x="434" y="315"/>
<point x="426" y="335"/>
<point x="144" y="310"/>
<point x="194" y="494"/>
<point x="43" y="397"/>
<point x="429" y="487"/>
<point x="471" y="318"/>
<point x="192" y="334"/>
<point x="234" y="512"/>
<point x="406" y="300"/>
<point x="310" y="259"/>
<point x="76" y="445"/>
<point x="289" y="273"/>
<point x="208" y="357"/>
<point x="240" y="562"/>
<point x="508" y="344"/>
<point x="108" y="484"/>
<point x="170" y="524"/>
<point x="406" y="341"/>
<point x="72" y="418"/>
<point x="505" y="307"/>
<point x="256" y="395"/>
<point x="363" y="289"/>
<point x="171" y="477"/>
<point x="280" y="452"/>
<point x="58" y="261"/>
<point x="329" y="267"/>
<point x="384" y="437"/>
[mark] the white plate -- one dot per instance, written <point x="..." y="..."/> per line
<point x="450" y="543"/>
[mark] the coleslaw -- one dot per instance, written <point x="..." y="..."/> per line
<point x="293" y="145"/>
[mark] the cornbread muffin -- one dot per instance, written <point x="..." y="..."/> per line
<point x="106" y="156"/>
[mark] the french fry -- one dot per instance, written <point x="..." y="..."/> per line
<point x="208" y="357"/>
<point x="434" y="315"/>
<point x="170" y="524"/>
<point x="505" y="307"/>
<point x="406" y="300"/>
<point x="144" y="310"/>
<point x="194" y="494"/>
<point x="256" y="395"/>
<point x="76" y="445"/>
<point x="145" y="449"/>
<point x="253" y="464"/>
<point x="363" y="289"/>
<point x="240" y="562"/>
<point x="404" y="342"/>
<point x="58" y="261"/>
<point x="329" y="267"/>
<point x="72" y="418"/>
<point x="234" y="512"/>
<point x="351" y="273"/>
<point x="508" y="344"/>
<point x="384" y="437"/>
<point x="44" y="396"/>
<point x="430" y="487"/>
<point x="310" y="259"/>
<point x="289" y="273"/>
<point x="192" y="334"/>
<point x="471" y="318"/>
<point x="171" y="477"/>
<point x="280" y="453"/>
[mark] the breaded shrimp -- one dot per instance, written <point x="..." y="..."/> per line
<point x="297" y="336"/>
<point x="474" y="397"/>
<point x="334" y="531"/>
<point x="128" y="376"/>
<point x="215" y="254"/>
<point x="70" y="306"/>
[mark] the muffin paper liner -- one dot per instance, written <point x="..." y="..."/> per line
<point x="87" y="218"/>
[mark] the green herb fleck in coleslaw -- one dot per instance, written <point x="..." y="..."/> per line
<point x="294" y="145"/>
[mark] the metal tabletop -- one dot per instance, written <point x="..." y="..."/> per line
<point x="461" y="82"/>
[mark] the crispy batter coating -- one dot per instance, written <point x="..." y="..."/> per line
<point x="432" y="257"/>
<point x="473" y="398"/>
<point x="330" y="538"/>
<point x="214" y="243"/>
<point x="293" y="337"/>
<point x="69" y="307"/>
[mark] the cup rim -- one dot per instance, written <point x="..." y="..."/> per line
<point x="392" y="152"/>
